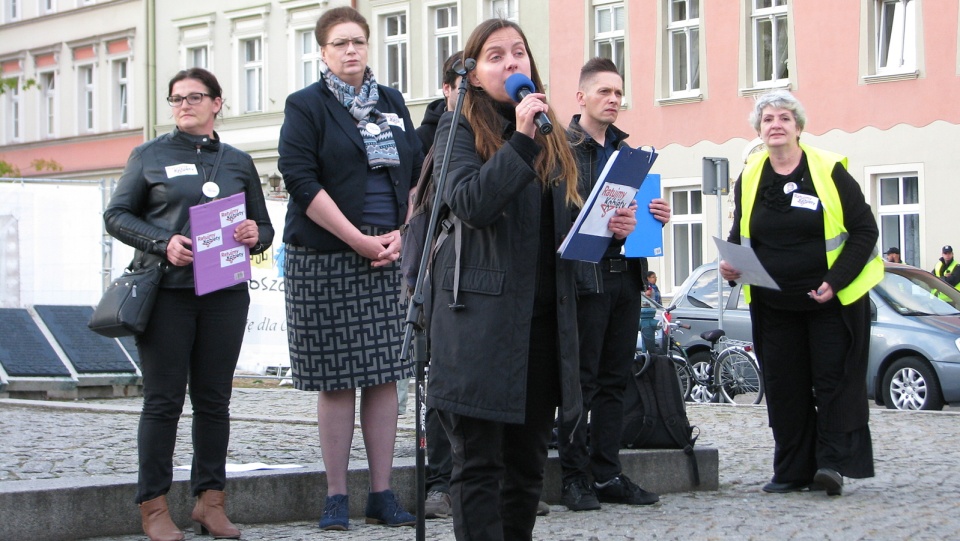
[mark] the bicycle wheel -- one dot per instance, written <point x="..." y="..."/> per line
<point x="738" y="377"/>
<point x="683" y="371"/>
<point x="700" y="363"/>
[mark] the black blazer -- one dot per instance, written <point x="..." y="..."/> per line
<point x="321" y="149"/>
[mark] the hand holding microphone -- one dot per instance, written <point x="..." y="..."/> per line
<point x="518" y="87"/>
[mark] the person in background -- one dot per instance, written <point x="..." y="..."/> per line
<point x="893" y="255"/>
<point x="653" y="291"/>
<point x="806" y="219"/>
<point x="191" y="341"/>
<point x="502" y="282"/>
<point x="349" y="156"/>
<point x="946" y="267"/>
<point x="608" y="312"/>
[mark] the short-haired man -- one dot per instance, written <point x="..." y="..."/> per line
<point x="946" y="267"/>
<point x="608" y="315"/>
<point x="893" y="255"/>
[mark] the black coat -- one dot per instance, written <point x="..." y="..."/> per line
<point x="321" y="149"/>
<point x="479" y="354"/>
<point x="149" y="205"/>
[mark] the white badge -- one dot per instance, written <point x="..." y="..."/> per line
<point x="180" y="169"/>
<point x="394" y="119"/>
<point x="803" y="201"/>
<point x="210" y="189"/>
<point x="372" y="129"/>
<point x="789" y="187"/>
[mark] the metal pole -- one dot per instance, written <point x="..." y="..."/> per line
<point x="719" y="167"/>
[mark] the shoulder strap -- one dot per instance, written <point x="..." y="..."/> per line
<point x="203" y="198"/>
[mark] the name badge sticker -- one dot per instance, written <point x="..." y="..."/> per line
<point x="803" y="201"/>
<point x="394" y="120"/>
<point x="180" y="170"/>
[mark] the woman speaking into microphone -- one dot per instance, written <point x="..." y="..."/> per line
<point x="499" y="281"/>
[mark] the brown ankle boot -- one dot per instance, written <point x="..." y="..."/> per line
<point x="157" y="523"/>
<point x="210" y="517"/>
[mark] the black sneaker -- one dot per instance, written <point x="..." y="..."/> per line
<point x="621" y="489"/>
<point x="579" y="496"/>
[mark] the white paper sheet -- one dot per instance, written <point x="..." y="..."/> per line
<point x="745" y="260"/>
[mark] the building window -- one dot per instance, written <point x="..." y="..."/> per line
<point x="686" y="225"/>
<point x="252" y="62"/>
<point x="48" y="6"/>
<point x="684" y="38"/>
<point x="121" y="88"/>
<point x="395" y="41"/>
<point x="12" y="108"/>
<point x="446" y="31"/>
<point x="11" y="10"/>
<point x="310" y="59"/>
<point x="197" y="57"/>
<point x="502" y="9"/>
<point x="896" y="35"/>
<point x="770" y="62"/>
<point x="48" y="104"/>
<point x="899" y="212"/>
<point x="87" y="98"/>
<point x="609" y="25"/>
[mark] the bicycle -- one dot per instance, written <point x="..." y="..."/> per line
<point x="737" y="376"/>
<point x="731" y="374"/>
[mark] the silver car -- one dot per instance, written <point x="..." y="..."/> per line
<point x="914" y="358"/>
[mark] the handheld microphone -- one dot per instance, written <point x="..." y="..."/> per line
<point x="518" y="86"/>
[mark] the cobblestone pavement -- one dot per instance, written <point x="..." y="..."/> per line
<point x="913" y="495"/>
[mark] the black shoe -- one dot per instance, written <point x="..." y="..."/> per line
<point x="783" y="488"/>
<point x="579" y="496"/>
<point x="621" y="489"/>
<point x="830" y="480"/>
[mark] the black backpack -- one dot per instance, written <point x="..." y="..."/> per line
<point x="654" y="415"/>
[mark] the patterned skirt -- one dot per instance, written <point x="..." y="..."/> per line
<point x="343" y="320"/>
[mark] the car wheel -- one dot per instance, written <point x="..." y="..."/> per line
<point x="701" y="365"/>
<point x="911" y="384"/>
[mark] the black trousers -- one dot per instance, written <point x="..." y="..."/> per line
<point x="190" y="340"/>
<point x="498" y="467"/>
<point x="814" y="372"/>
<point x="608" y="324"/>
<point x="439" y="462"/>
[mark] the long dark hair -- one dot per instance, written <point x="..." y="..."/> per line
<point x="555" y="165"/>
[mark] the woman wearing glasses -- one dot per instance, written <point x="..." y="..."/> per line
<point x="349" y="157"/>
<point x="190" y="338"/>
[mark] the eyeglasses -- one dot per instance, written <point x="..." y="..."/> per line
<point x="192" y="99"/>
<point x="341" y="44"/>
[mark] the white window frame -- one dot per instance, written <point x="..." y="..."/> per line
<point x="86" y="98"/>
<point x="686" y="258"/>
<point x="48" y="7"/>
<point x="614" y="38"/>
<point x="13" y="110"/>
<point x="12" y="10"/>
<point x="48" y="81"/>
<point x="500" y="9"/>
<point x="909" y="244"/>
<point x="194" y="53"/>
<point x="309" y="57"/>
<point x="121" y="85"/>
<point x="397" y="45"/>
<point x="445" y="41"/>
<point x="195" y="33"/>
<point x="685" y="27"/>
<point x="903" y="31"/>
<point x="251" y="71"/>
<point x="772" y="15"/>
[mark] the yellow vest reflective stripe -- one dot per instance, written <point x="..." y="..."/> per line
<point x="820" y="164"/>
<point x="939" y="270"/>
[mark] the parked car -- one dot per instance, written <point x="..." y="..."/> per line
<point x="914" y="360"/>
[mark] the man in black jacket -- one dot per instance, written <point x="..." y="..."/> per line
<point x="608" y="315"/>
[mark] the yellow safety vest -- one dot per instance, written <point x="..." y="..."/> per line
<point x="820" y="164"/>
<point x="938" y="272"/>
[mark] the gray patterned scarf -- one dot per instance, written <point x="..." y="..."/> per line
<point x="377" y="137"/>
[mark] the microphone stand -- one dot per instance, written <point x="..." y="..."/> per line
<point x="415" y="330"/>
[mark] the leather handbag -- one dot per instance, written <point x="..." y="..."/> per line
<point x="125" y="307"/>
